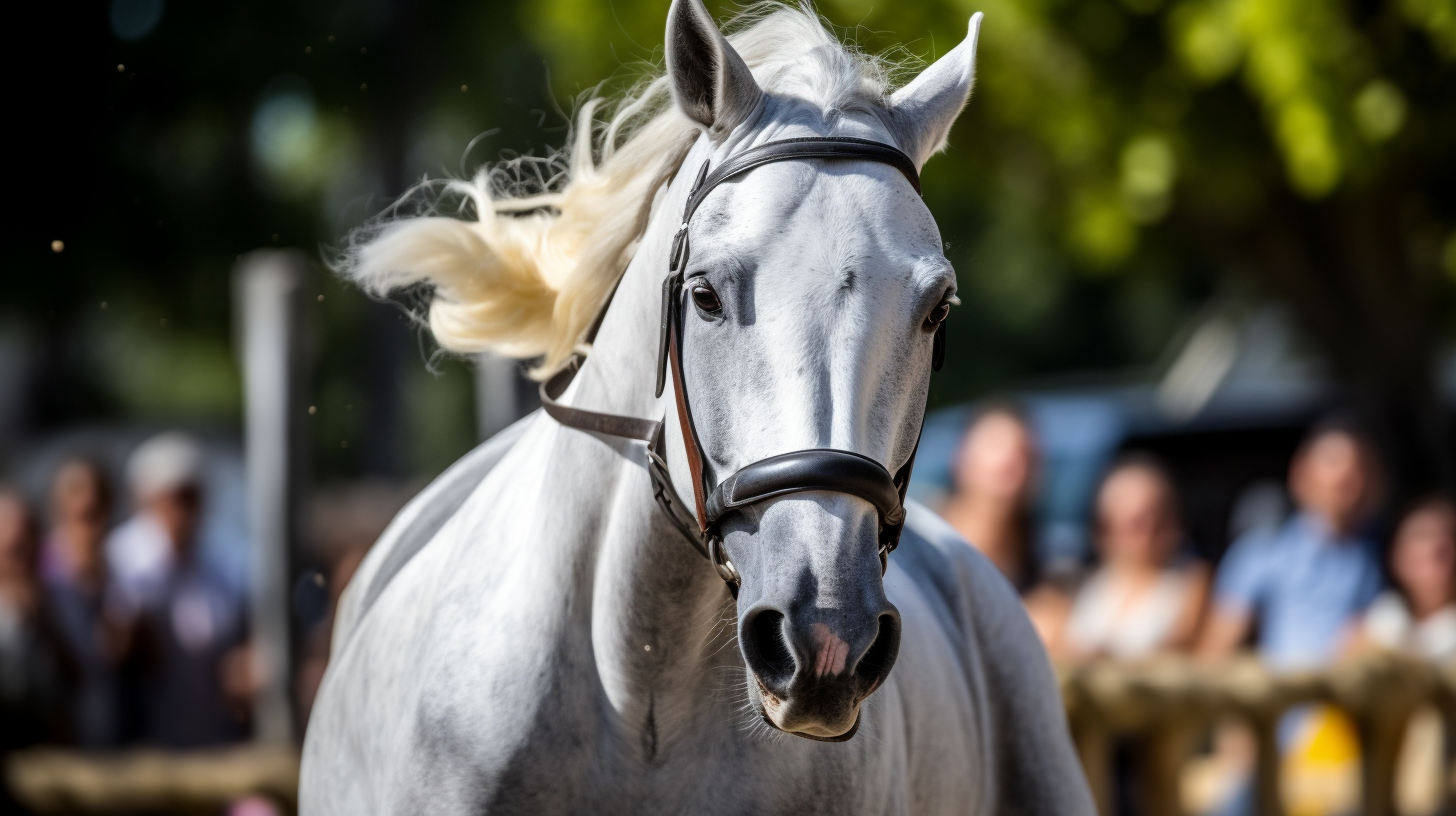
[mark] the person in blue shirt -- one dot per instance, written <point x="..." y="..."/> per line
<point x="1305" y="584"/>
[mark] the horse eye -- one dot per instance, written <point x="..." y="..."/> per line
<point x="938" y="315"/>
<point x="706" y="299"/>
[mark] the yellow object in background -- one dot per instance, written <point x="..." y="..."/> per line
<point x="1321" y="769"/>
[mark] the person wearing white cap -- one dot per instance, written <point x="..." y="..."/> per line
<point x="165" y="477"/>
<point x="193" y="620"/>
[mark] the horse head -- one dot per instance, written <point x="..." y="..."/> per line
<point x="811" y="299"/>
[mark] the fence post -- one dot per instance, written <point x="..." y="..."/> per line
<point x="497" y="393"/>
<point x="1094" y="747"/>
<point x="1164" y="752"/>
<point x="1448" y="751"/>
<point x="1090" y="736"/>
<point x="269" y="287"/>
<point x="1267" y="759"/>
<point x="1381" y="734"/>
<point x="1386" y="694"/>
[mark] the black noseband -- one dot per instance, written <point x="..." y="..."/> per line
<point x="819" y="469"/>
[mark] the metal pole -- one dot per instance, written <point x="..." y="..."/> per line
<point x="269" y="287"/>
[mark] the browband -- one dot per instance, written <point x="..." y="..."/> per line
<point x="813" y="147"/>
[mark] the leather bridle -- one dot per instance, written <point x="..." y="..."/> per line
<point x="816" y="469"/>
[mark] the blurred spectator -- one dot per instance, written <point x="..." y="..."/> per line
<point x="33" y="674"/>
<point x="1305" y="584"/>
<point x="74" y="576"/>
<point x="1419" y="616"/>
<point x="1143" y="598"/>
<point x="993" y="475"/>
<point x="196" y="683"/>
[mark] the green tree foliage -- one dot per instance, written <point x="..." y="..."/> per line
<point x="1121" y="162"/>
<point x="157" y="153"/>
<point x="1148" y="150"/>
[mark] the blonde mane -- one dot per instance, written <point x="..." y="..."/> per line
<point x="539" y="244"/>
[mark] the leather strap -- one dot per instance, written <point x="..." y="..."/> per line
<point x="826" y="469"/>
<point x="626" y="427"/>
<point x="690" y="432"/>
<point x="841" y="148"/>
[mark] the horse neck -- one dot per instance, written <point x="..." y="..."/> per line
<point x="660" y="615"/>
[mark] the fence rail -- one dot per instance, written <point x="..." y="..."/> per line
<point x="145" y="781"/>
<point x="1167" y="706"/>
<point x="1170" y="705"/>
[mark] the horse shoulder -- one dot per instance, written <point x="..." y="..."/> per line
<point x="416" y="525"/>
<point x="1032" y="766"/>
<point x="435" y="634"/>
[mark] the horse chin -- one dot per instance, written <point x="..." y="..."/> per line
<point x="779" y="715"/>
<point x="820" y="735"/>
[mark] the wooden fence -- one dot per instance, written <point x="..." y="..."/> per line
<point x="1167" y="707"/>
<point x="146" y="781"/>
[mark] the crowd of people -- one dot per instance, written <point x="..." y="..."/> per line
<point x="1302" y="593"/>
<point x="111" y="635"/>
<point x="114" y="634"/>
<point x="118" y="635"/>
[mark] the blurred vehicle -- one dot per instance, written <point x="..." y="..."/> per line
<point x="1224" y="411"/>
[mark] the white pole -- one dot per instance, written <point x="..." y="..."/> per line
<point x="497" y="380"/>
<point x="268" y="288"/>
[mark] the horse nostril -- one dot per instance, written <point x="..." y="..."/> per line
<point x="767" y="650"/>
<point x="878" y="659"/>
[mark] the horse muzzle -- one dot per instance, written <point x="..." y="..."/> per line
<point x="810" y="677"/>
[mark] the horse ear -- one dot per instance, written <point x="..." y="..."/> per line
<point x="925" y="109"/>
<point x="710" y="82"/>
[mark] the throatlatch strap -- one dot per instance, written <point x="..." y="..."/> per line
<point x="626" y="427"/>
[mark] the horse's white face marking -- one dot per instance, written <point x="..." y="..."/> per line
<point x="807" y="295"/>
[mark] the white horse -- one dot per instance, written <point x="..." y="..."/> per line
<point x="533" y="636"/>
